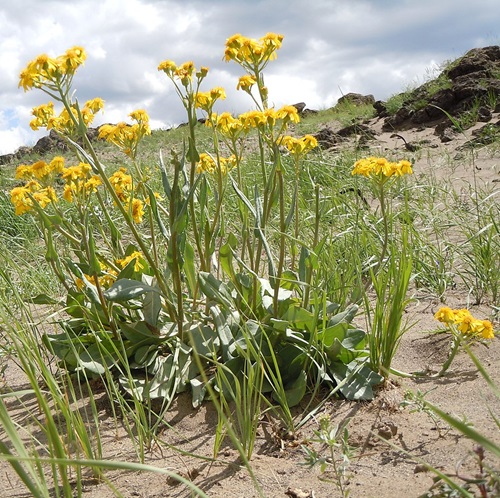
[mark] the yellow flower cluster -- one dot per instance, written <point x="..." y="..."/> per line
<point x="184" y="72"/>
<point x="138" y="259"/>
<point x="106" y="279"/>
<point x="65" y="123"/>
<point x="41" y="175"/>
<point x="123" y="184"/>
<point x="79" y="182"/>
<point x="108" y="275"/>
<point x="231" y="126"/>
<point x="298" y="146"/>
<point x="52" y="72"/>
<point x="380" y="166"/>
<point x="465" y="322"/>
<point x="207" y="164"/>
<point x="41" y="170"/>
<point x="251" y="53"/>
<point x="206" y="100"/>
<point x="125" y="136"/>
<point x="24" y="198"/>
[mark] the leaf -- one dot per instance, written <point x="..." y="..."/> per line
<point x="295" y="390"/>
<point x="139" y="332"/>
<point x="244" y="198"/>
<point x="215" y="289"/>
<point x="164" y="178"/>
<point x="300" y="318"/>
<point x="226" y="256"/>
<point x="126" y="289"/>
<point x="96" y="359"/>
<point x="163" y="384"/>
<point x="205" y="340"/>
<point x="42" y="299"/>
<point x="346" y="316"/>
<point x="144" y="356"/>
<point x="223" y="330"/>
<point x="198" y="391"/>
<point x="357" y="380"/>
<point x="292" y="358"/>
<point x="343" y="342"/>
<point x="152" y="307"/>
<point x="154" y="209"/>
<point x="190" y="268"/>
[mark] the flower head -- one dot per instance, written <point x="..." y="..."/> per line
<point x="125" y="136"/>
<point x="298" y="146"/>
<point x="53" y="73"/>
<point x="382" y="168"/>
<point x="250" y="53"/>
<point x="465" y="323"/>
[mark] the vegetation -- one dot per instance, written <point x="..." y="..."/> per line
<point x="218" y="259"/>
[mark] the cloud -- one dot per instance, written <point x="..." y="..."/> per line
<point x="330" y="48"/>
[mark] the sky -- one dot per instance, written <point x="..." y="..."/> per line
<point x="330" y="48"/>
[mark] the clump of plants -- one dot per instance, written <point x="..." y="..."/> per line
<point x="208" y="283"/>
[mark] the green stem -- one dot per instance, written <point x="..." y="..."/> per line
<point x="281" y="262"/>
<point x="454" y="350"/>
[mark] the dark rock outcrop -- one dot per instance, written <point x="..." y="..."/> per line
<point x="356" y="99"/>
<point x="470" y="84"/>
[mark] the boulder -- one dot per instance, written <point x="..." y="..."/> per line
<point x="470" y="81"/>
<point x="357" y="99"/>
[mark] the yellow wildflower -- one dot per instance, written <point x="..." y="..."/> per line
<point x="250" y="53"/>
<point x="71" y="59"/>
<point x="19" y="196"/>
<point x="288" y="113"/>
<point x="137" y="209"/>
<point x="122" y="183"/>
<point x="76" y="173"/>
<point x="23" y="172"/>
<point x="381" y="167"/>
<point x="208" y="164"/>
<point x="465" y="323"/>
<point x="168" y="67"/>
<point x="43" y="113"/>
<point x="246" y="83"/>
<point x="298" y="146"/>
<point x="138" y="263"/>
<point x="95" y="105"/>
<point x="40" y="169"/>
<point x="445" y="315"/>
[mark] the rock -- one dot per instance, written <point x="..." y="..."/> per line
<point x="299" y="493"/>
<point x="327" y="138"/>
<point x="7" y="158"/>
<point x="381" y="108"/>
<point x="300" y="107"/>
<point x="477" y="59"/>
<point x="447" y="135"/>
<point x="356" y="99"/>
<point x="48" y="143"/>
<point x="357" y="129"/>
<point x="469" y="81"/>
<point x="484" y="115"/>
<point x="395" y="122"/>
<point x="309" y="112"/>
